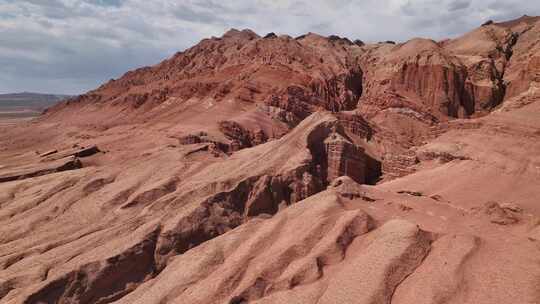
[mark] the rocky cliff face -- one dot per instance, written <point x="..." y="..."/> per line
<point x="452" y="78"/>
<point x="344" y="158"/>
<point x="297" y="75"/>
<point x="250" y="89"/>
<point x="523" y="70"/>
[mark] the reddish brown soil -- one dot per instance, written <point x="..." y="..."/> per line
<point x="217" y="176"/>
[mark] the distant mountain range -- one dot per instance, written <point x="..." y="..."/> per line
<point x="26" y="105"/>
<point x="32" y="100"/>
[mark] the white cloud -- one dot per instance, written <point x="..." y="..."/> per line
<point x="73" y="45"/>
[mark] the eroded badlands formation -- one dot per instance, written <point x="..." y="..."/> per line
<point x="274" y="169"/>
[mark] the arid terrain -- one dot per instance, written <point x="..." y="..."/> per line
<point x="277" y="169"/>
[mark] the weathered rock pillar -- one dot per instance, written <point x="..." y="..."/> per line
<point x="344" y="158"/>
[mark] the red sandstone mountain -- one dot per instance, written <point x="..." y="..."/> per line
<point x="274" y="169"/>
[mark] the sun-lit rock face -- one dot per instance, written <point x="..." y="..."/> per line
<point x="455" y="78"/>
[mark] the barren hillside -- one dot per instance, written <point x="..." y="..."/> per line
<point x="275" y="169"/>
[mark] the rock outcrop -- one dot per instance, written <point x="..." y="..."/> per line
<point x="78" y="152"/>
<point x="34" y="170"/>
<point x="523" y="69"/>
<point x="344" y="158"/>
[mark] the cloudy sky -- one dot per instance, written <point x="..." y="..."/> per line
<point x="71" y="46"/>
